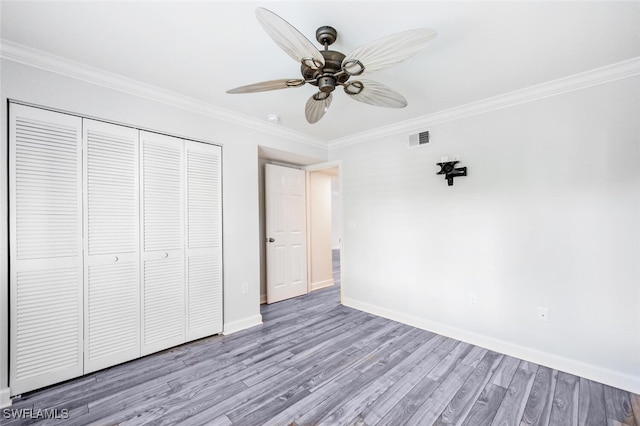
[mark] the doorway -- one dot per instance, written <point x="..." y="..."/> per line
<point x="324" y="228"/>
<point x="310" y="165"/>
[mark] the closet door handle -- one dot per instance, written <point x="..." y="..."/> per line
<point x="165" y="254"/>
<point x="115" y="259"/>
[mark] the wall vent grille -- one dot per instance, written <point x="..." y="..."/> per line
<point x="418" y="139"/>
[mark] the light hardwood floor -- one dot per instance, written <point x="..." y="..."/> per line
<point x="316" y="362"/>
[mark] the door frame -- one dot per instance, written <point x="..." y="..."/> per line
<point x="336" y="164"/>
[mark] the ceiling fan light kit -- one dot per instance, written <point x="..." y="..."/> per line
<point x="328" y="69"/>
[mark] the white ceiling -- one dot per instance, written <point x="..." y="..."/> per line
<point x="201" y="49"/>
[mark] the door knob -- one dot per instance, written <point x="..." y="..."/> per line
<point x="271" y="240"/>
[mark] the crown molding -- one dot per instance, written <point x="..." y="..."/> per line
<point x="38" y="59"/>
<point x="22" y="54"/>
<point x="617" y="71"/>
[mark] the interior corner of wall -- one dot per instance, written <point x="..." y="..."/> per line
<point x="243" y="324"/>
<point x="318" y="285"/>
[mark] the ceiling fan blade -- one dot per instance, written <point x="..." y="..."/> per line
<point x="317" y="106"/>
<point x="387" y="51"/>
<point x="264" y="86"/>
<point x="290" y="39"/>
<point x="374" y="93"/>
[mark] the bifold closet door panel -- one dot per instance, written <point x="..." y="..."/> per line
<point x="111" y="266"/>
<point x="204" y="239"/>
<point x="162" y="225"/>
<point x="46" y="303"/>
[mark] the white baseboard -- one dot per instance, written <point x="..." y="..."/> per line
<point x="243" y="324"/>
<point x="5" y="399"/>
<point x="321" y="284"/>
<point x="263" y="299"/>
<point x="588" y="371"/>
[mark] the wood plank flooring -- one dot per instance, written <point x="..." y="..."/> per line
<point x="316" y="362"/>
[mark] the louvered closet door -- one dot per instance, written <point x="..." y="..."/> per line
<point x="111" y="267"/>
<point x="162" y="221"/>
<point x="204" y="239"/>
<point x="45" y="248"/>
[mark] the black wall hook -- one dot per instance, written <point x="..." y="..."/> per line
<point x="449" y="170"/>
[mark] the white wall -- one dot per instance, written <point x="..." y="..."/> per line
<point x="548" y="216"/>
<point x="336" y="213"/>
<point x="240" y="176"/>
<point x="320" y="230"/>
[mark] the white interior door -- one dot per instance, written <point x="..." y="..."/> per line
<point x="45" y="247"/>
<point x="204" y="239"/>
<point x="162" y="225"/>
<point x="111" y="266"/>
<point x="286" y="223"/>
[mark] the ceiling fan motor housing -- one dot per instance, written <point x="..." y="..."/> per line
<point x="326" y="78"/>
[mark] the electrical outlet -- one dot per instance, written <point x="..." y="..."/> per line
<point x="245" y="288"/>
<point x="473" y="299"/>
<point x="543" y="314"/>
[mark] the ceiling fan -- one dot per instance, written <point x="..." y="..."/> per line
<point x="328" y="69"/>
